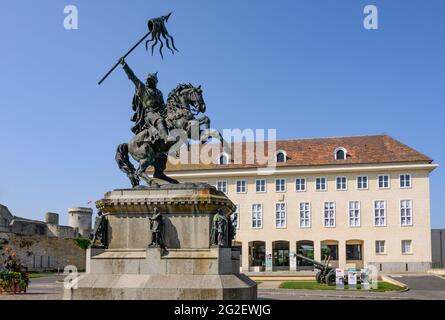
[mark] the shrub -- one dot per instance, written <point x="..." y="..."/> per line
<point x="83" y="243"/>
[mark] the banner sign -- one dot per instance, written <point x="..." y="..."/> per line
<point x="339" y="277"/>
<point x="352" y="279"/>
<point x="364" y="277"/>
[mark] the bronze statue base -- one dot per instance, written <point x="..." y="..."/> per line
<point x="154" y="274"/>
<point x="190" y="267"/>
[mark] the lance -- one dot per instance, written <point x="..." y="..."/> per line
<point x="158" y="31"/>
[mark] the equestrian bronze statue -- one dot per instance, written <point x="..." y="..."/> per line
<point x="158" y="126"/>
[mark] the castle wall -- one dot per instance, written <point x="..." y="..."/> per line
<point x="43" y="253"/>
<point x="28" y="227"/>
<point x="61" y="231"/>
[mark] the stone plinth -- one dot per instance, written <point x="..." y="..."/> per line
<point x="188" y="211"/>
<point x="189" y="268"/>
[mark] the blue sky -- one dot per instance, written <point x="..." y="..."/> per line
<point x="307" y="68"/>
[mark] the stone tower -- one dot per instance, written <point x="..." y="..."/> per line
<point x="52" y="218"/>
<point x="80" y="218"/>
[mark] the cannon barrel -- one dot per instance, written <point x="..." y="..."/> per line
<point x="316" y="264"/>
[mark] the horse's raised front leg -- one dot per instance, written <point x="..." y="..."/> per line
<point x="207" y="133"/>
<point x="204" y="134"/>
<point x="204" y="121"/>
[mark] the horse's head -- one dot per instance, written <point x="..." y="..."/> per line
<point x="195" y="99"/>
<point x="187" y="96"/>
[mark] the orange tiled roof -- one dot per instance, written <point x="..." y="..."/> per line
<point x="320" y="151"/>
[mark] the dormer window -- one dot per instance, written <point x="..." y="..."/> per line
<point x="223" y="159"/>
<point x="280" y="156"/>
<point x="340" y="154"/>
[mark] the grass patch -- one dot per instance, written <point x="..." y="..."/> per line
<point x="40" y="275"/>
<point x="313" y="285"/>
<point x="308" y="285"/>
<point x="386" y="286"/>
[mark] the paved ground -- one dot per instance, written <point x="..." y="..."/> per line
<point x="421" y="287"/>
<point x="422" y="282"/>
<point x="45" y="288"/>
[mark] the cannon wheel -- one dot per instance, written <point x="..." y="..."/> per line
<point x="318" y="277"/>
<point x="330" y="278"/>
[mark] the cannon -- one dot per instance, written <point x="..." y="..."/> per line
<point x="326" y="273"/>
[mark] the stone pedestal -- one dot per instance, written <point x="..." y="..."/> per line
<point x="188" y="268"/>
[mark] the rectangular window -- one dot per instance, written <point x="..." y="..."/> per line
<point x="305" y="215"/>
<point x="354" y="213"/>
<point x="260" y="185"/>
<point x="407" y="246"/>
<point x="221" y="186"/>
<point x="329" y="214"/>
<point x="380" y="247"/>
<point x="257" y="216"/>
<point x="406" y="213"/>
<point x="383" y="182"/>
<point x="320" y="184"/>
<point x="241" y="186"/>
<point x="280" y="215"/>
<point x="405" y="181"/>
<point x="362" y="182"/>
<point x="342" y="183"/>
<point x="379" y="213"/>
<point x="280" y="185"/>
<point x="353" y="252"/>
<point x="300" y="184"/>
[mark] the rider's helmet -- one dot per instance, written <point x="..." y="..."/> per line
<point x="152" y="79"/>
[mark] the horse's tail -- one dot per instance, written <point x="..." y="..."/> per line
<point x="123" y="161"/>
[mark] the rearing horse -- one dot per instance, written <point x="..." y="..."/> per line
<point x="183" y="104"/>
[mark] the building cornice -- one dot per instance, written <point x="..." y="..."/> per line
<point x="232" y="172"/>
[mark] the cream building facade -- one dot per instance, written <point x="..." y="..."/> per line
<point x="362" y="200"/>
